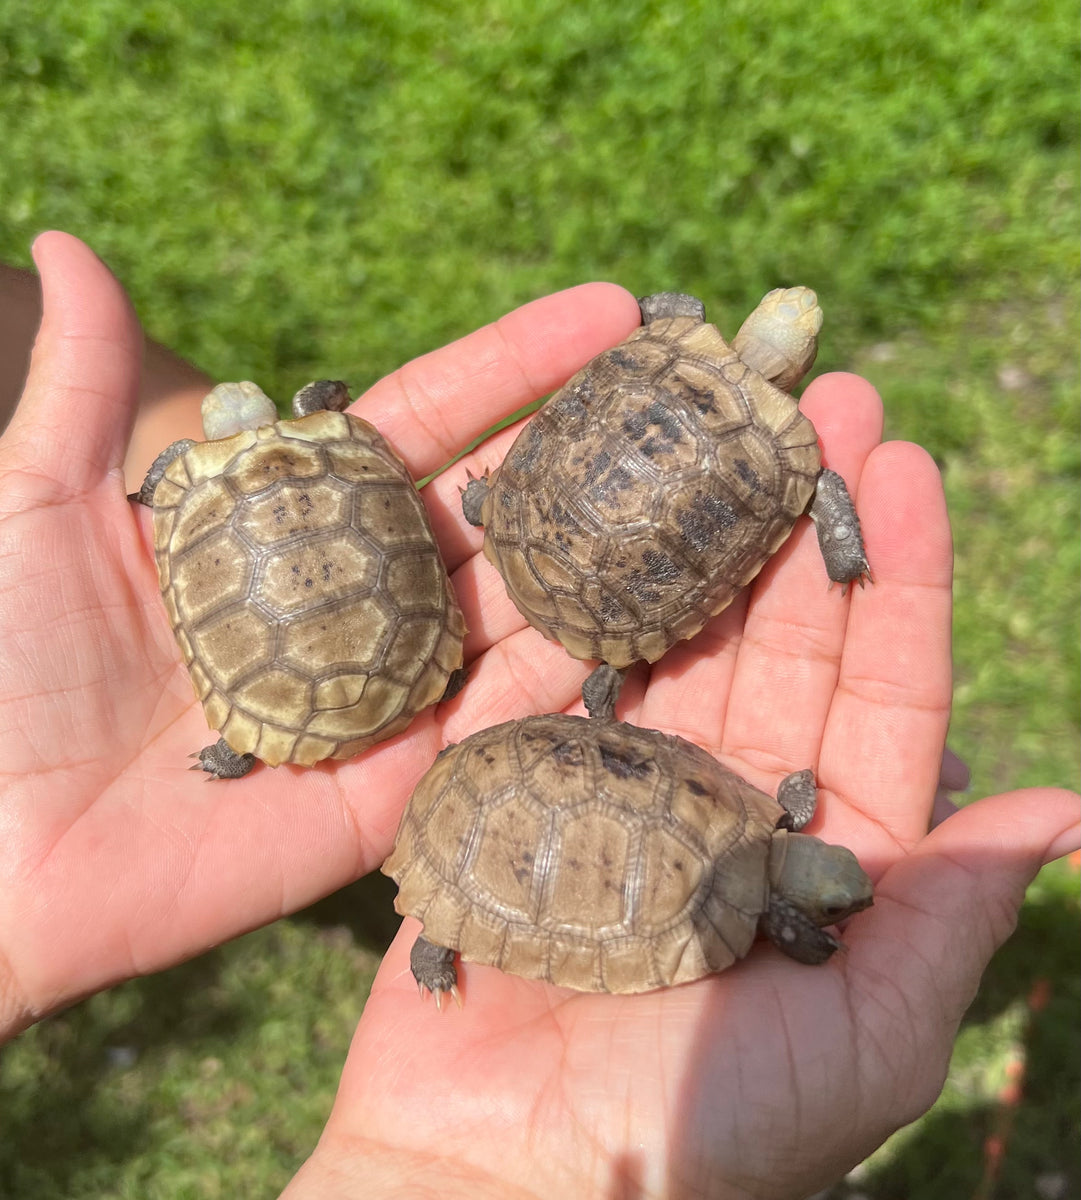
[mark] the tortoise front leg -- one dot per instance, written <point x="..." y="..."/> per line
<point x="796" y="934"/>
<point x="433" y="969"/>
<point x="601" y="691"/>
<point x="145" y="494"/>
<point x="321" y="395"/>
<point x="838" y="530"/>
<point x="798" y="796"/>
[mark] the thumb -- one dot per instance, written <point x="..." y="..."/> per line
<point x="74" y="419"/>
<point x="949" y="904"/>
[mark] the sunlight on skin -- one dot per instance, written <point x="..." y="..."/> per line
<point x="768" y="1080"/>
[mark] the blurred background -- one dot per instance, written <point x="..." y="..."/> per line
<point x="301" y="190"/>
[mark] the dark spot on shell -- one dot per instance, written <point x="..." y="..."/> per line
<point x="617" y="480"/>
<point x="658" y="414"/>
<point x="611" y="609"/>
<point x="706" y="521"/>
<point x="562" y="516"/>
<point x="571" y="405"/>
<point x="693" y="785"/>
<point x="622" y="765"/>
<point x="641" y="587"/>
<point x="634" y="425"/>
<point x="525" y="458"/>
<point x="701" y="398"/>
<point x="568" y="754"/>
<point x="596" y="467"/>
<point x="521" y="873"/>
<point x="622" y="359"/>
<point x="748" y="474"/>
<point x="660" y="566"/>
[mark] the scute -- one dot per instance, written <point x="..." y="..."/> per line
<point x="583" y="852"/>
<point x="298" y="569"/>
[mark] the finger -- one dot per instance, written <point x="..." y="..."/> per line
<point x="73" y="422"/>
<point x="760" y="696"/>
<point x="886" y="731"/>
<point x="522" y="675"/>
<point x="434" y="406"/>
<point x="953" y="774"/>
<point x="946" y="907"/>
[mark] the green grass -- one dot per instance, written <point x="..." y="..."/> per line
<point x="312" y="190"/>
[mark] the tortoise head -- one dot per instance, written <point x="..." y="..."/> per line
<point x="780" y="338"/>
<point x="825" y="883"/>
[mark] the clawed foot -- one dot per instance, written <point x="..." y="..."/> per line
<point x="838" y="529"/>
<point x="473" y="496"/>
<point x="433" y="969"/>
<point x="221" y="761"/>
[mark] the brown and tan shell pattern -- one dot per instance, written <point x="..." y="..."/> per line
<point x="647" y="492"/>
<point x="304" y="587"/>
<point x="590" y="853"/>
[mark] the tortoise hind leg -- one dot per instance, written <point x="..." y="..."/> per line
<point x="221" y="761"/>
<point x="433" y="969"/>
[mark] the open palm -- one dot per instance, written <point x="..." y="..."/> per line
<point x="116" y="860"/>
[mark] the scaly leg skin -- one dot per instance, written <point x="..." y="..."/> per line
<point x="670" y="304"/>
<point x="456" y="680"/>
<point x="433" y="969"/>
<point x="221" y="761"/>
<point x="601" y="691"/>
<point x="838" y="530"/>
<point x="796" y="934"/>
<point x="798" y="796"/>
<point x="321" y="395"/>
<point x="145" y="494"/>
<point x="473" y="497"/>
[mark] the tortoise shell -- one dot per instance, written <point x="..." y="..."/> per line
<point x="304" y="587"/>
<point x="590" y="853"/>
<point x="651" y="488"/>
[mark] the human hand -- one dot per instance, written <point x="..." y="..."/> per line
<point x="772" y="1079"/>
<point x="116" y="861"/>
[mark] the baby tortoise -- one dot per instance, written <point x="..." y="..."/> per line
<point x="660" y="479"/>
<point x="301" y="580"/>
<point x="609" y="858"/>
